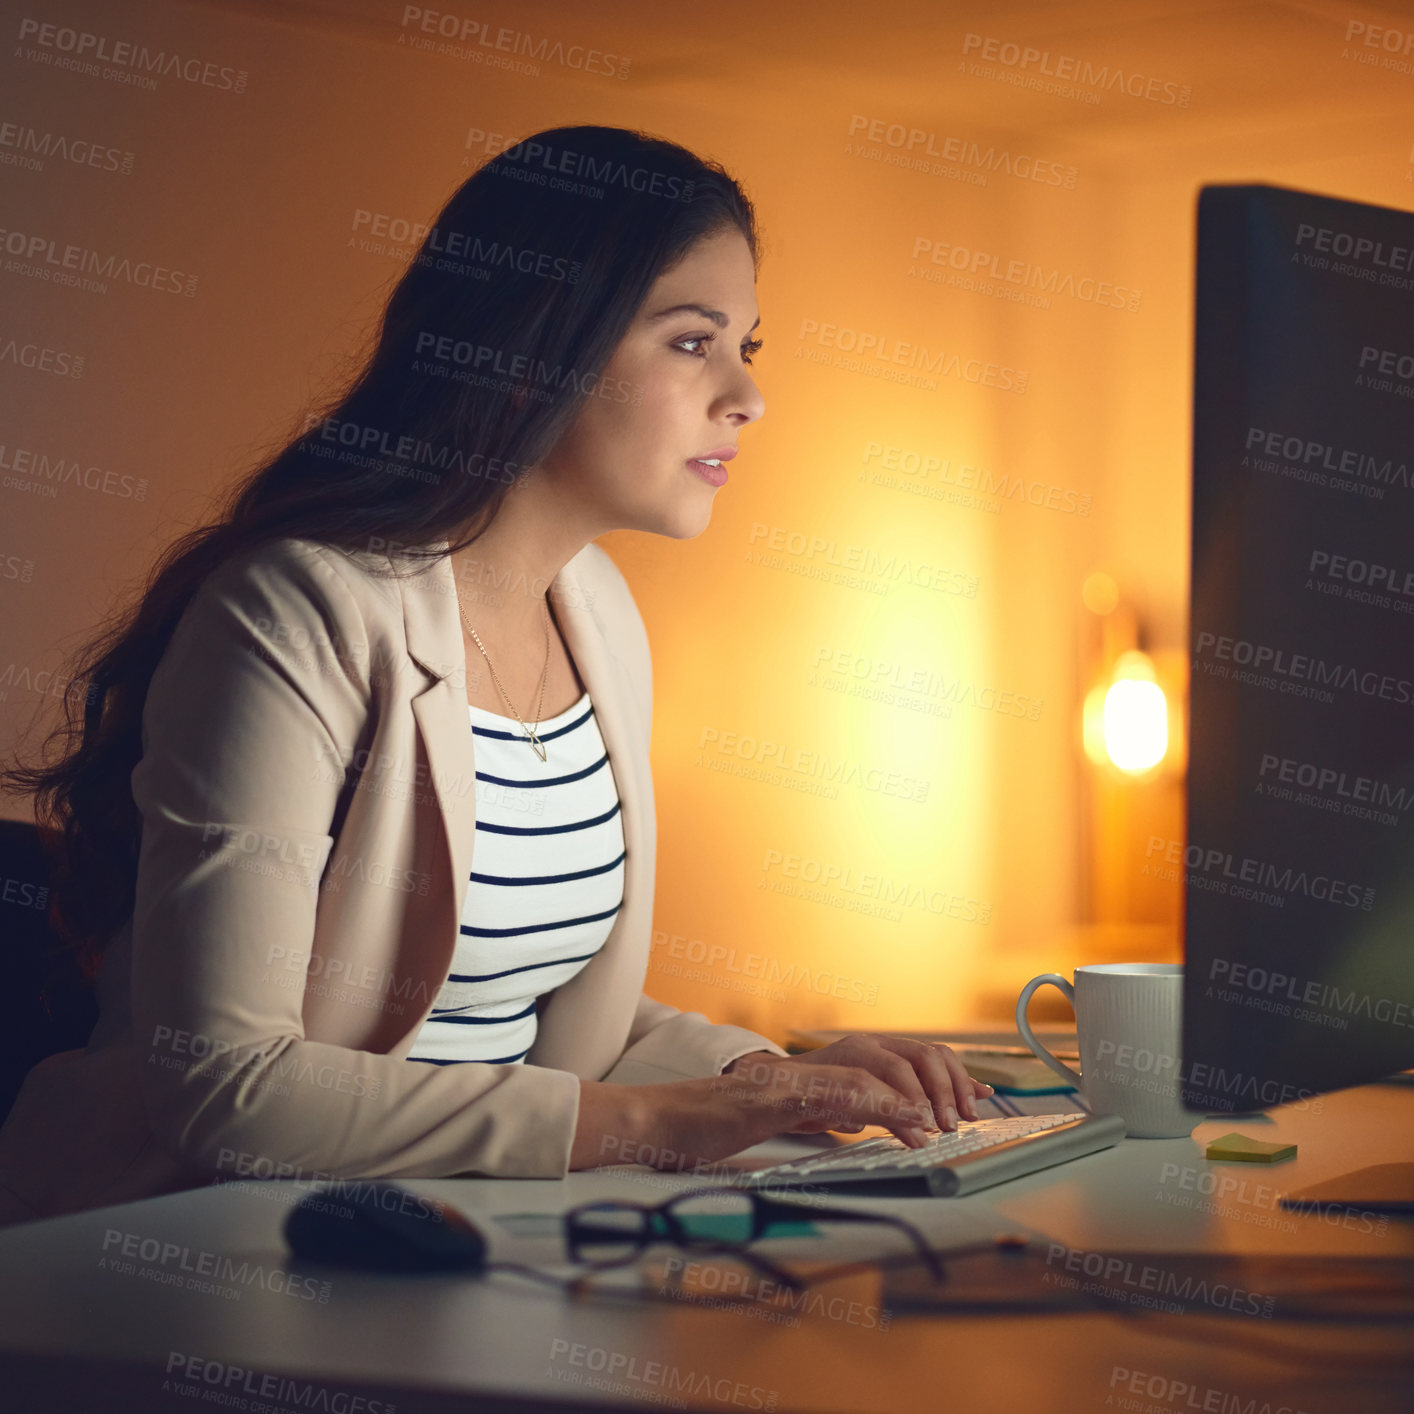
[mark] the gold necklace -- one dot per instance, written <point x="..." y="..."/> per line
<point x="530" y="735"/>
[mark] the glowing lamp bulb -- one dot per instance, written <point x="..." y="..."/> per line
<point x="1136" y="724"/>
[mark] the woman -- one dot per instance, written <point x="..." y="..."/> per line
<point x="363" y="909"/>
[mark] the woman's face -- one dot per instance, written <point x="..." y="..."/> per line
<point x="677" y="387"/>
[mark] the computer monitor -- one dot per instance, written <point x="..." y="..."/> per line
<point x="1299" y="857"/>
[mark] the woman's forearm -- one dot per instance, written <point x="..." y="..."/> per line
<point x="615" y="1122"/>
<point x="625" y="1124"/>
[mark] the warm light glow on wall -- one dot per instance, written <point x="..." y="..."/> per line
<point x="1133" y="734"/>
<point x="1099" y="593"/>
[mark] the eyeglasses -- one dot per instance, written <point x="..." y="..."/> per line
<point x="613" y="1233"/>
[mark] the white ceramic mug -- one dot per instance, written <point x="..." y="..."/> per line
<point x="1128" y="1026"/>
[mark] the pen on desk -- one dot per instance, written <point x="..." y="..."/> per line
<point x="987" y="1049"/>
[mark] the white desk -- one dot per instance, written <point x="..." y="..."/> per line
<point x="76" y="1335"/>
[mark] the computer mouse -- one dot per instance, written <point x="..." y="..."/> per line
<point x="383" y="1227"/>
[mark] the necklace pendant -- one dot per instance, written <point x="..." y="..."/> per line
<point x="535" y="742"/>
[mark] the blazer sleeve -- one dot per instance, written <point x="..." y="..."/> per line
<point x="664" y="1043"/>
<point x="267" y="674"/>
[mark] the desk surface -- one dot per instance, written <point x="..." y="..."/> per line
<point x="81" y="1330"/>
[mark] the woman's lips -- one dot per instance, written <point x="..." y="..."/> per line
<point x="713" y="475"/>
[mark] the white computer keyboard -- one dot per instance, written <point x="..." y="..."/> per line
<point x="952" y="1164"/>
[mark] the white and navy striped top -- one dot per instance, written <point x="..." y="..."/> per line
<point x="547" y="883"/>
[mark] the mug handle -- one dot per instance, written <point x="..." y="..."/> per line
<point x="1022" y="1025"/>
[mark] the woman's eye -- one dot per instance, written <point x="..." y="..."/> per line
<point x="750" y="347"/>
<point x="695" y="339"/>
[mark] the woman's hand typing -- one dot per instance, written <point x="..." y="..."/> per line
<point x="857" y="1081"/>
<point x="928" y="1074"/>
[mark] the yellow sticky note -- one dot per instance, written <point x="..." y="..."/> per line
<point x="1252" y="1151"/>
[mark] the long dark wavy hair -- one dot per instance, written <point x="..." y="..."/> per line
<point x="491" y="342"/>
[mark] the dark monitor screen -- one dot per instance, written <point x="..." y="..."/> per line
<point x="1299" y="858"/>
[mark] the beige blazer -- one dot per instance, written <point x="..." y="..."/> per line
<point x="308" y="798"/>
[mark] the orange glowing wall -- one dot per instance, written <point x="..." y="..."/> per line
<point x="976" y="299"/>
